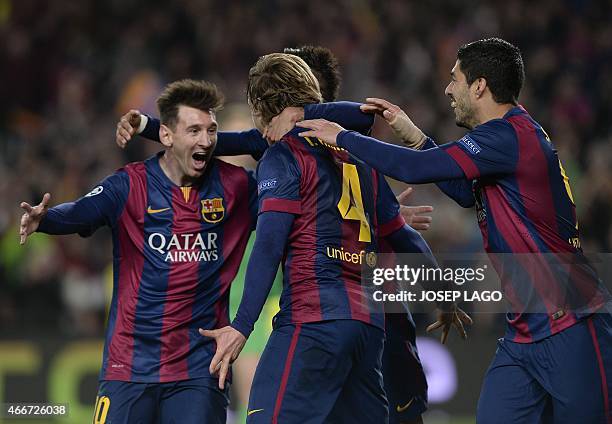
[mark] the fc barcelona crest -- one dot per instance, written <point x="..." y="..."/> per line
<point x="213" y="210"/>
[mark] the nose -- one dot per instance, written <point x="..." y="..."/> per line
<point x="206" y="140"/>
<point x="447" y="90"/>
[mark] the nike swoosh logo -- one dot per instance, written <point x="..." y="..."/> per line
<point x="150" y="210"/>
<point x="252" y="411"/>
<point x="403" y="408"/>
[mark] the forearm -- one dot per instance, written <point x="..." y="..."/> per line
<point x="408" y="241"/>
<point x="241" y="143"/>
<point x="68" y="218"/>
<point x="347" y="114"/>
<point x="408" y="165"/>
<point x="272" y="231"/>
<point x="151" y="129"/>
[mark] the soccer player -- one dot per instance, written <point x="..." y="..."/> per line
<point x="322" y="212"/>
<point x="554" y="364"/>
<point x="180" y="223"/>
<point x="403" y="374"/>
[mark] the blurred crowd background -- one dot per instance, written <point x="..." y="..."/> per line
<point x="70" y="69"/>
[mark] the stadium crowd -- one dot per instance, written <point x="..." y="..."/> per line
<point x="71" y="69"/>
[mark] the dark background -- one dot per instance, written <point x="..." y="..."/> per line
<point x="69" y="69"/>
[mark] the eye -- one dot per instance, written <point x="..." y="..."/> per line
<point x="212" y="131"/>
<point x="194" y="131"/>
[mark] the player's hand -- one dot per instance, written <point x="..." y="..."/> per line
<point x="127" y="127"/>
<point x="30" y="220"/>
<point x="400" y="123"/>
<point x="229" y="344"/>
<point x="456" y="317"/>
<point x="412" y="214"/>
<point x="322" y="129"/>
<point x="282" y="123"/>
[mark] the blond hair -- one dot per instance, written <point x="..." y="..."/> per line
<point x="280" y="80"/>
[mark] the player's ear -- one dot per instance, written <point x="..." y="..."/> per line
<point x="165" y="135"/>
<point x="479" y="87"/>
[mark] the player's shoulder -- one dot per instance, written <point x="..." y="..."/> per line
<point x="498" y="125"/>
<point x="495" y="132"/>
<point x="283" y="149"/>
<point x="227" y="167"/>
<point x="230" y="174"/>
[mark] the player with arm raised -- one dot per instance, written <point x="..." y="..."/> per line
<point x="405" y="381"/>
<point x="557" y="342"/>
<point x="324" y="66"/>
<point x="180" y="222"/>
<point x="319" y="213"/>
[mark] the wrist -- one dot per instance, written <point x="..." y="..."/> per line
<point x="144" y="119"/>
<point x="243" y="329"/>
<point x="340" y="138"/>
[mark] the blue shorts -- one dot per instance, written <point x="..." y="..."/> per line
<point x="323" y="372"/>
<point x="565" y="378"/>
<point x="192" y="401"/>
<point x="403" y="375"/>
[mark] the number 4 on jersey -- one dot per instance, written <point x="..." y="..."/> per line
<point x="351" y="203"/>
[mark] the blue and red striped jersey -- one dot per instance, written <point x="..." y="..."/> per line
<point x="175" y="252"/>
<point x="525" y="207"/>
<point x="341" y="207"/>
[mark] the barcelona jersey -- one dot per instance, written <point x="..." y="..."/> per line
<point x="341" y="207"/>
<point x="525" y="207"/>
<point x="175" y="252"/>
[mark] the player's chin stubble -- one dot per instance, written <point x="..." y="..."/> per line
<point x="464" y="117"/>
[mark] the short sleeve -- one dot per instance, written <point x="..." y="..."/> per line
<point x="278" y="181"/>
<point x="489" y="149"/>
<point x="387" y="209"/>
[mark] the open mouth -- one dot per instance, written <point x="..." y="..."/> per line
<point x="199" y="159"/>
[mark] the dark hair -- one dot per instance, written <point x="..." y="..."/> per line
<point x="280" y="80"/>
<point x="497" y="61"/>
<point x="324" y="66"/>
<point x="202" y="95"/>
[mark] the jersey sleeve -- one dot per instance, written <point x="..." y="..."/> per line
<point x="278" y="181"/>
<point x="387" y="209"/>
<point x="489" y="149"/>
<point x="241" y="143"/>
<point x="460" y="190"/>
<point x="347" y="114"/>
<point x="253" y="205"/>
<point x="101" y="206"/>
<point x="151" y="129"/>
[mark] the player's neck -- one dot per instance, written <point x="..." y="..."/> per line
<point x="493" y="110"/>
<point x="172" y="169"/>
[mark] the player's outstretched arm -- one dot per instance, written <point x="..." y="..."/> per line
<point x="407" y="240"/>
<point x="347" y="114"/>
<point x="32" y="217"/>
<point x="403" y="127"/>
<point x="102" y="206"/>
<point x="400" y="123"/>
<point x="228" y="143"/>
<point x="273" y="229"/>
<point x="401" y="163"/>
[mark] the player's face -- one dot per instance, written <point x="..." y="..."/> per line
<point x="459" y="92"/>
<point x="193" y="140"/>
